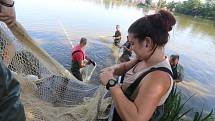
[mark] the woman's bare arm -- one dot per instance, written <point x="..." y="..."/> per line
<point x="150" y="92"/>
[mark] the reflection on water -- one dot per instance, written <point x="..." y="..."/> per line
<point x="202" y="27"/>
<point x="193" y="40"/>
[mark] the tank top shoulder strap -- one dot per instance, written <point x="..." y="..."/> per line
<point x="130" y="90"/>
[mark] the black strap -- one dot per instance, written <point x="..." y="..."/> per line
<point x="123" y="75"/>
<point x="130" y="90"/>
<point x="77" y="52"/>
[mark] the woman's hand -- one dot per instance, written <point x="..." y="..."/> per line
<point x="7" y="15"/>
<point x="106" y="75"/>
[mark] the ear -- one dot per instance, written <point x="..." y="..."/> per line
<point x="148" y="43"/>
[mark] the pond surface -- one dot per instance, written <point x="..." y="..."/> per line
<point x="193" y="40"/>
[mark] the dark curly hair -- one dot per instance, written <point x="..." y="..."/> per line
<point x="156" y="26"/>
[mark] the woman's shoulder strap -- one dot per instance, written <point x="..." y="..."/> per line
<point x="130" y="90"/>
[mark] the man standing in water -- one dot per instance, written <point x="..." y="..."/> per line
<point x="117" y="36"/>
<point x="127" y="52"/>
<point x="177" y="69"/>
<point x="11" y="108"/>
<point x="79" y="59"/>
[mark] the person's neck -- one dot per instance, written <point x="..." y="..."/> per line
<point x="157" y="57"/>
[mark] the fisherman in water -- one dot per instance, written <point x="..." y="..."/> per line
<point x="79" y="59"/>
<point x="127" y="52"/>
<point x="117" y="36"/>
<point x="177" y="68"/>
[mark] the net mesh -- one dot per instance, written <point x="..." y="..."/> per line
<point x="49" y="91"/>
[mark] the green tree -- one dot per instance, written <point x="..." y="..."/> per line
<point x="210" y="3"/>
<point x="161" y="3"/>
<point x="192" y="7"/>
<point x="148" y="2"/>
<point x="171" y="5"/>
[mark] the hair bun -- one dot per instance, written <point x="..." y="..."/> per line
<point x="167" y="20"/>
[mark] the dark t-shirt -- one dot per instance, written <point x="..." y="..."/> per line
<point x="117" y="34"/>
<point x="174" y="71"/>
<point x="178" y="72"/>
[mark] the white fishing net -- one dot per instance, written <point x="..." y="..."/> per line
<point x="49" y="91"/>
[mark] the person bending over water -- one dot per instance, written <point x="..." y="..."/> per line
<point x="148" y="78"/>
<point x="79" y="59"/>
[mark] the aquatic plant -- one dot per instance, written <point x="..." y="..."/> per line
<point x="199" y="116"/>
<point x="175" y="110"/>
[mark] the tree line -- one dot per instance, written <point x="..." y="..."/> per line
<point x="193" y="8"/>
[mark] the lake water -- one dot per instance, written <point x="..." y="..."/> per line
<point x="193" y="40"/>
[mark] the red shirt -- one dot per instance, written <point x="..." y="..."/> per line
<point x="78" y="54"/>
